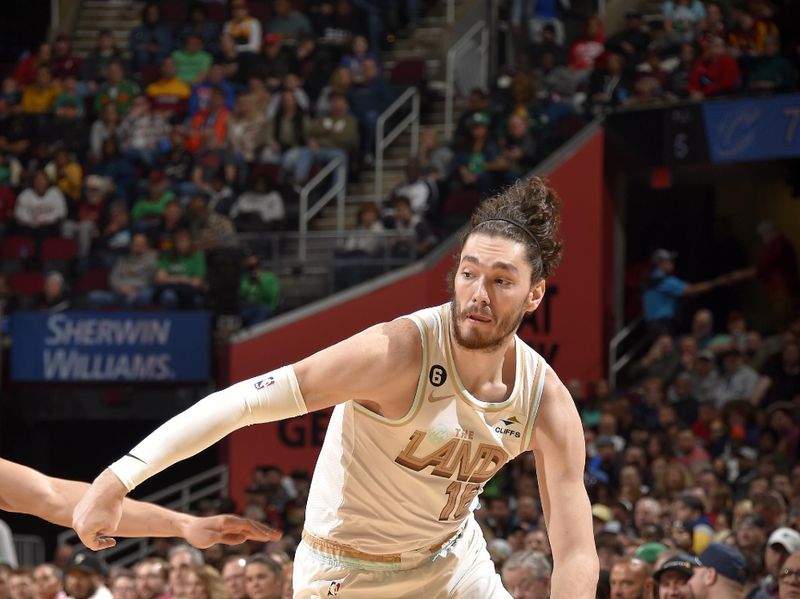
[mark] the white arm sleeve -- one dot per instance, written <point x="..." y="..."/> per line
<point x="266" y="398"/>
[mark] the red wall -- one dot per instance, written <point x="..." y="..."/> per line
<point x="567" y="328"/>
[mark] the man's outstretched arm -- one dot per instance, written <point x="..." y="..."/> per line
<point x="355" y="368"/>
<point x="27" y="491"/>
<point x="560" y="451"/>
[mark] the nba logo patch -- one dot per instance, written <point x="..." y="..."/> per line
<point x="333" y="588"/>
<point x="263" y="383"/>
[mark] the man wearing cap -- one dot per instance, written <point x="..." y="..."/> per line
<point x="673" y="576"/>
<point x="663" y="289"/>
<point x="601" y="515"/>
<point x="781" y="545"/>
<point x="705" y="377"/>
<point x="737" y="381"/>
<point x="720" y="574"/>
<point x="83" y="578"/>
<point x="789" y="578"/>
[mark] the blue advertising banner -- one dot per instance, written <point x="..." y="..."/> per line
<point x="110" y="346"/>
<point x="753" y="129"/>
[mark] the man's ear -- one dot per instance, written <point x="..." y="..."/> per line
<point x="535" y="296"/>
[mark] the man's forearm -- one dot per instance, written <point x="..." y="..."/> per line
<point x="138" y="519"/>
<point x="575" y="577"/>
<point x="267" y="398"/>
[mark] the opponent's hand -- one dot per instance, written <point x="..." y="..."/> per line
<point x="96" y="516"/>
<point x="226" y="529"/>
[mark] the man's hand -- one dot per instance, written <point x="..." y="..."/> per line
<point x="226" y="529"/>
<point x="97" y="515"/>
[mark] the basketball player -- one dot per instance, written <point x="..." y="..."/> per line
<point x="27" y="491"/>
<point x="428" y="408"/>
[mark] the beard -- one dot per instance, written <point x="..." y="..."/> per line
<point x="489" y="340"/>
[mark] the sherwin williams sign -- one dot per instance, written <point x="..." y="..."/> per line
<point x="110" y="346"/>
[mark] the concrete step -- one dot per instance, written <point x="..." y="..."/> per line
<point x="129" y="14"/>
<point x="120" y="37"/>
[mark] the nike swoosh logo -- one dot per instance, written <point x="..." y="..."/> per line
<point x="434" y="398"/>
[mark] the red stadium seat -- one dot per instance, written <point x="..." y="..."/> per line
<point x="149" y="73"/>
<point x="462" y="202"/>
<point x="27" y="283"/>
<point x="92" y="280"/>
<point x="58" y="248"/>
<point x="217" y="13"/>
<point x="173" y="11"/>
<point x="271" y="172"/>
<point x="17" y="247"/>
<point x="408" y="72"/>
<point x="258" y="10"/>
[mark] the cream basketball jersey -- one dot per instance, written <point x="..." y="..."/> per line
<point x="389" y="486"/>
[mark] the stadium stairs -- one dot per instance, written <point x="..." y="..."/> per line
<point x="428" y="41"/>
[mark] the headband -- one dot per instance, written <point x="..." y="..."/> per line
<point x="527" y="231"/>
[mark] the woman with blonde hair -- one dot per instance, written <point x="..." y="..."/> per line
<point x="202" y="582"/>
<point x="675" y="479"/>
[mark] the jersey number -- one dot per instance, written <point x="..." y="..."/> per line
<point x="453" y="491"/>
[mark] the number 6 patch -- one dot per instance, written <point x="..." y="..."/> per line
<point x="437" y="375"/>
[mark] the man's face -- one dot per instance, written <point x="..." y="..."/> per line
<point x="523" y="585"/>
<point x="686" y="441"/>
<point x="338" y="106"/>
<point x="168" y="69"/>
<point x="537" y="541"/>
<point x="79" y="584"/>
<point x="646" y="512"/>
<point x="750" y="536"/>
<point x="47" y="583"/>
<point x="775" y="556"/>
<point x="150" y="580"/>
<point x="233" y="576"/>
<point x="124" y="588"/>
<point x="789" y="582"/>
<point x="20" y="586"/>
<point x="627" y="580"/>
<point x="260" y="582"/>
<point x="699" y="582"/>
<point x="114" y="73"/>
<point x="3" y="582"/>
<point x="138" y="247"/>
<point x="492" y="292"/>
<point x="674" y="585"/>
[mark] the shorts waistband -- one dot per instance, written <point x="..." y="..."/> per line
<point x="345" y="556"/>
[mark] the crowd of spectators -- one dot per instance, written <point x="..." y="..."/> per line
<point x="691" y="51"/>
<point x="151" y="159"/>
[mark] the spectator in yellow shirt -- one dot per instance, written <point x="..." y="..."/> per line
<point x="169" y="94"/>
<point x="39" y="96"/>
<point x="67" y="174"/>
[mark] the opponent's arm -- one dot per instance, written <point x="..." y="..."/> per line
<point x="357" y="367"/>
<point x="27" y="491"/>
<point x="560" y="452"/>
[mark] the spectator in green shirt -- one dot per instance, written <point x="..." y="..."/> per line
<point x="259" y="291"/>
<point x="151" y="207"/>
<point x="192" y="63"/>
<point x="181" y="276"/>
<point x="116" y="90"/>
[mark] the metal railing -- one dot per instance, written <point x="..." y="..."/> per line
<point x="30" y="549"/>
<point x="383" y="139"/>
<point x="464" y="43"/>
<point x="617" y="362"/>
<point x="336" y="190"/>
<point x="328" y="245"/>
<point x="211" y="483"/>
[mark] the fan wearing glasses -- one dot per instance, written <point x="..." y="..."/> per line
<point x="789" y="578"/>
